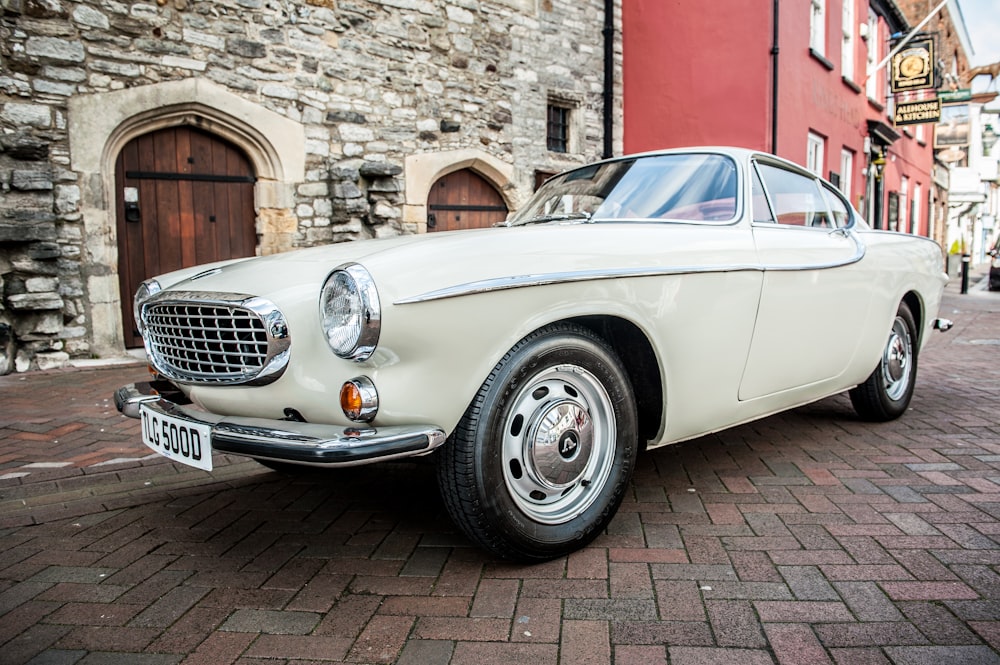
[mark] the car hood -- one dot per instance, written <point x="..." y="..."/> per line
<point x="408" y="267"/>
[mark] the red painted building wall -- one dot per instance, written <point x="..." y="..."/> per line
<point x="701" y="74"/>
<point x="687" y="79"/>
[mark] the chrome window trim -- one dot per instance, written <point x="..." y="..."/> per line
<point x="275" y="329"/>
<point x="656" y="220"/>
<point x="818" y="186"/>
<point x="548" y="279"/>
<point x="799" y="227"/>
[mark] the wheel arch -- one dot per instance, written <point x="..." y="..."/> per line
<point x="916" y="305"/>
<point x="641" y="365"/>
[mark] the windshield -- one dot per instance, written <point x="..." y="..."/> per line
<point x="685" y="187"/>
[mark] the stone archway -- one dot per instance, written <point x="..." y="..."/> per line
<point x="100" y="125"/>
<point x="464" y="200"/>
<point x="423" y="170"/>
<point x="184" y="197"/>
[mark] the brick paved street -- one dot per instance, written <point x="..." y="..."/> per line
<point x="805" y="538"/>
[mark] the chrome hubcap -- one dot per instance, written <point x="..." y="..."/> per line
<point x="896" y="365"/>
<point x="558" y="444"/>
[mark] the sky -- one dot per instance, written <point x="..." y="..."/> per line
<point x="982" y="21"/>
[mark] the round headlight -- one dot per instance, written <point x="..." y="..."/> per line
<point x="350" y="313"/>
<point x="145" y="291"/>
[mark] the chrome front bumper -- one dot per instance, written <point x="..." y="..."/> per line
<point x="289" y="441"/>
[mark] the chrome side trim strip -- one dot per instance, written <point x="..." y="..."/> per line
<point x="522" y="281"/>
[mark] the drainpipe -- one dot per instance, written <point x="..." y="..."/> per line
<point x="774" y="80"/>
<point x="609" y="78"/>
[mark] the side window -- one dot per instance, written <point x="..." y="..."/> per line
<point x="797" y="199"/>
<point x="838" y="209"/>
<point x="761" y="208"/>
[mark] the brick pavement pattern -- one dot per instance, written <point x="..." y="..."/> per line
<point x="804" y="538"/>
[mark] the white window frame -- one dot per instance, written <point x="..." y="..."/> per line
<point x="904" y="206"/>
<point x="814" y="153"/>
<point x="817" y="26"/>
<point x="846" y="172"/>
<point x="915" y="209"/>
<point x="848" y="30"/>
<point x="871" y="85"/>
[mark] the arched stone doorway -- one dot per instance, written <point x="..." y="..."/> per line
<point x="183" y="197"/>
<point x="423" y="170"/>
<point x="102" y="124"/>
<point x="464" y="200"/>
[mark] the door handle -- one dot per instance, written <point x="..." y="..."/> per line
<point x="132" y="212"/>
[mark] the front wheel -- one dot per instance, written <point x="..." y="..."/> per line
<point x="885" y="395"/>
<point x="542" y="457"/>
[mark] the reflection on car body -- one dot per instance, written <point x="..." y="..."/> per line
<point x="629" y="304"/>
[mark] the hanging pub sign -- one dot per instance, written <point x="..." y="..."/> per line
<point x="914" y="113"/>
<point x="960" y="95"/>
<point x="913" y="67"/>
<point x="954" y="129"/>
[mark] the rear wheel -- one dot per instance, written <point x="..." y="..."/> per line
<point x="885" y="394"/>
<point x="542" y="457"/>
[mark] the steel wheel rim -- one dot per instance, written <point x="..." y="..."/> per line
<point x="897" y="366"/>
<point x="558" y="444"/>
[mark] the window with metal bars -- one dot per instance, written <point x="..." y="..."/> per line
<point x="557" y="131"/>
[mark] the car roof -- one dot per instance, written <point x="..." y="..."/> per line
<point x="741" y="155"/>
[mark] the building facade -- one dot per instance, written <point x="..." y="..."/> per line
<point x="963" y="140"/>
<point x="786" y="77"/>
<point x="139" y="137"/>
<point x="947" y="28"/>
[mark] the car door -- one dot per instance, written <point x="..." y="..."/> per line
<point x="814" y="295"/>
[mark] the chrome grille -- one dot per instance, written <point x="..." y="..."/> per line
<point x="213" y="338"/>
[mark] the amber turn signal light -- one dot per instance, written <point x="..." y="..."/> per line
<point x="359" y="400"/>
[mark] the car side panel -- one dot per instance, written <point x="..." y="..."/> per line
<point x="434" y="355"/>
<point x="897" y="264"/>
<point x="816" y="293"/>
<point x="699" y="325"/>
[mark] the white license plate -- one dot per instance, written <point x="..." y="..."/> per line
<point x="180" y="440"/>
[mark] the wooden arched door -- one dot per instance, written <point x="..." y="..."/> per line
<point x="464" y="200"/>
<point x="184" y="197"/>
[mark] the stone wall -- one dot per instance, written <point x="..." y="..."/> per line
<point x="368" y="85"/>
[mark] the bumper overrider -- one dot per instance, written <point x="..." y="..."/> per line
<point x="284" y="440"/>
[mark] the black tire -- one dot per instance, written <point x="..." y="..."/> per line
<point x="540" y="461"/>
<point x="885" y="395"/>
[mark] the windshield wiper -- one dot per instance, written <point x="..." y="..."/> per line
<point x="559" y="217"/>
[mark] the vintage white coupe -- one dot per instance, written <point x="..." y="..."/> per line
<point x="630" y="304"/>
